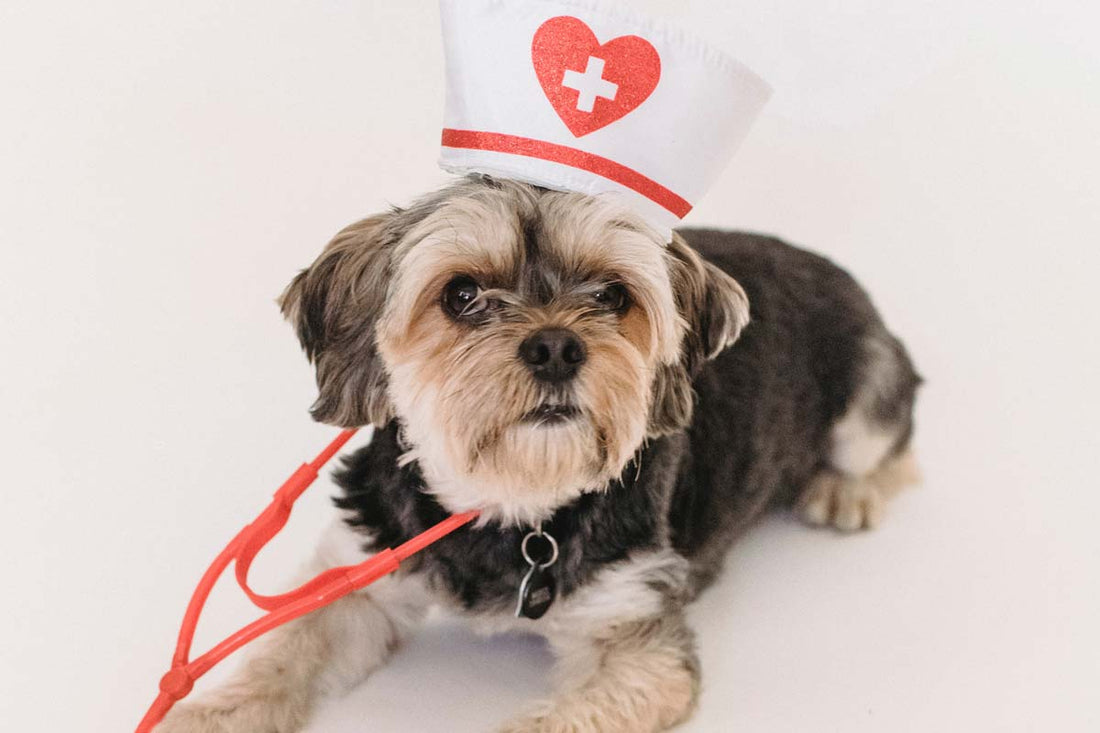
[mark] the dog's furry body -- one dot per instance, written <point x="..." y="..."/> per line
<point x="811" y="409"/>
<point x="760" y="433"/>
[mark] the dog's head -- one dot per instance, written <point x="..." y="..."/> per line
<point x="527" y="340"/>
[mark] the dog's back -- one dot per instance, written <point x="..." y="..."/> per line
<point x="812" y="406"/>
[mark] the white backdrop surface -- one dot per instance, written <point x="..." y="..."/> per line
<point x="165" y="168"/>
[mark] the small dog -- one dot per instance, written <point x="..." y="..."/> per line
<point x="547" y="358"/>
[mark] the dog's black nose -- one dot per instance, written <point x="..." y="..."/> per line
<point x="553" y="354"/>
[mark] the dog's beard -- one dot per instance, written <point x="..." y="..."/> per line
<point x="489" y="437"/>
<point x="544" y="456"/>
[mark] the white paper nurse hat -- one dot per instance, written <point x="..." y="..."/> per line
<point x="582" y="95"/>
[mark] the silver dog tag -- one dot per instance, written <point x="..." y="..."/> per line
<point x="536" y="593"/>
<point x="538" y="589"/>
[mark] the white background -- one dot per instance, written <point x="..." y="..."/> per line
<point x="165" y="168"/>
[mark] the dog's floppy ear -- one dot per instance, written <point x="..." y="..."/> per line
<point x="713" y="304"/>
<point x="334" y="305"/>
<point x="715" y="308"/>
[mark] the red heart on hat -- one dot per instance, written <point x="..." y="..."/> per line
<point x="589" y="85"/>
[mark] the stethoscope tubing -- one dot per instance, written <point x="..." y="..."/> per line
<point x="325" y="588"/>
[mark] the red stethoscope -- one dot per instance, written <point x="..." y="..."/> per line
<point x="320" y="591"/>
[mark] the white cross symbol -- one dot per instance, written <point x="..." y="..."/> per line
<point x="590" y="84"/>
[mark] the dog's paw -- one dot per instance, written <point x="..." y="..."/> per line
<point x="195" y="718"/>
<point x="252" y="715"/>
<point x="581" y="718"/>
<point x="846" y="503"/>
<point x="546" y="722"/>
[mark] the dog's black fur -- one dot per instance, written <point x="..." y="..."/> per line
<point x="760" y="432"/>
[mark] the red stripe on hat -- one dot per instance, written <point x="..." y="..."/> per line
<point x="609" y="169"/>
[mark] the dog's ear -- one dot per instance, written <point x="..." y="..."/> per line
<point x="334" y="305"/>
<point x="713" y="304"/>
<point x="716" y="309"/>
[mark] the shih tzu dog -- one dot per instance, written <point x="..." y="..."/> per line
<point x="619" y="408"/>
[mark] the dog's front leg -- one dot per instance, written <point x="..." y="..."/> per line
<point x="636" y="676"/>
<point x="626" y="659"/>
<point x="323" y="653"/>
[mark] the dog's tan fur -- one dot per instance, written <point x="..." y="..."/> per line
<point x="464" y="392"/>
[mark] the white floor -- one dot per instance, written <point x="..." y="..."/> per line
<point x="164" y="170"/>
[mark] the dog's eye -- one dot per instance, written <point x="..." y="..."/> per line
<point x="612" y="297"/>
<point x="460" y="297"/>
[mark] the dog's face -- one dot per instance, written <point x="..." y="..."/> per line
<point x="527" y="340"/>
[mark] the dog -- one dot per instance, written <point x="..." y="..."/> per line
<point x="619" y="408"/>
